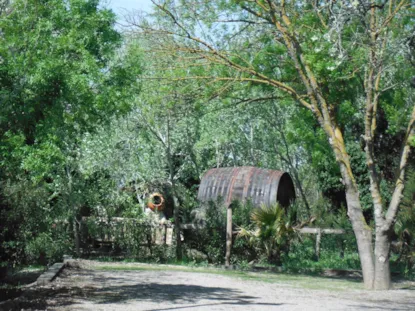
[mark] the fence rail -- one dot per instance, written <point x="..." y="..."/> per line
<point x="163" y="233"/>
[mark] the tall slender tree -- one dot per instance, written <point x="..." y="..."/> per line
<point x="322" y="55"/>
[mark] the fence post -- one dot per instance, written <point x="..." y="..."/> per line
<point x="228" y="235"/>
<point x="318" y="241"/>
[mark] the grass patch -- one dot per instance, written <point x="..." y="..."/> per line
<point x="302" y="281"/>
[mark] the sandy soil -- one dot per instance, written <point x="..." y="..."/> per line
<point x="86" y="288"/>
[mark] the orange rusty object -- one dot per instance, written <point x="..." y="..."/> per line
<point x="262" y="186"/>
<point x="156" y="202"/>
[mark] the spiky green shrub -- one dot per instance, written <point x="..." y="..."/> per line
<point x="272" y="232"/>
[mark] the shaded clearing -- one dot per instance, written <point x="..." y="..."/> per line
<point x="87" y="285"/>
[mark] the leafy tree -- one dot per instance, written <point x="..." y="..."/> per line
<point x="170" y="119"/>
<point x="60" y="76"/>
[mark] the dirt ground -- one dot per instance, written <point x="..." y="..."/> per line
<point x="97" y="286"/>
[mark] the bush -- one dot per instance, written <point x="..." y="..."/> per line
<point x="133" y="238"/>
<point x="48" y="247"/>
<point x="242" y="250"/>
<point x="211" y="239"/>
<point x="337" y="252"/>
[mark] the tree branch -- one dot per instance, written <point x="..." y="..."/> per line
<point x="399" y="184"/>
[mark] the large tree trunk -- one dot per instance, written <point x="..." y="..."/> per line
<point x="363" y="235"/>
<point x="361" y="229"/>
<point x="382" y="271"/>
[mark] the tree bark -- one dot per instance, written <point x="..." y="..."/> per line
<point x="382" y="271"/>
<point x="176" y="206"/>
<point x="384" y="224"/>
<point x="297" y="182"/>
<point x="76" y="238"/>
<point x="363" y="235"/>
<point x="361" y="230"/>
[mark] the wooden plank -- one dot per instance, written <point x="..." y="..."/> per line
<point x="307" y="230"/>
<point x="333" y="231"/>
<point x="191" y="226"/>
<point x="228" y="236"/>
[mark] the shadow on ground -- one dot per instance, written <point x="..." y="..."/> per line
<point x="79" y="286"/>
<point x="10" y="286"/>
<point x="118" y="292"/>
<point x="161" y="294"/>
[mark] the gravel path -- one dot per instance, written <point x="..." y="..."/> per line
<point x="92" y="289"/>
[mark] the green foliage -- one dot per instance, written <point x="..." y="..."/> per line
<point x="58" y="80"/>
<point x="243" y="252"/>
<point x="209" y="240"/>
<point x="406" y="219"/>
<point x="131" y="238"/>
<point x="51" y="74"/>
<point x="242" y="213"/>
<point x="272" y="232"/>
<point x="48" y="247"/>
<point x="337" y="252"/>
<point x="405" y="228"/>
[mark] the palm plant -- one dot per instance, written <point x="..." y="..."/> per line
<point x="273" y="228"/>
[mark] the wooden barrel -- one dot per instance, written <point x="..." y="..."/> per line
<point x="262" y="186"/>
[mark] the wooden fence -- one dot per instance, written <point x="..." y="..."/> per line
<point x="163" y="233"/>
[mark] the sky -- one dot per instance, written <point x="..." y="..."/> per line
<point x="119" y="6"/>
